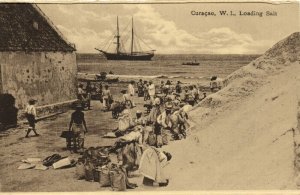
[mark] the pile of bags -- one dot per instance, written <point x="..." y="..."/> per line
<point x="95" y="165"/>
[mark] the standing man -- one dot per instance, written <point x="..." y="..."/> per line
<point x="99" y="92"/>
<point x="146" y="91"/>
<point x="80" y="92"/>
<point x="140" y="87"/>
<point x="151" y="91"/>
<point x="168" y="87"/>
<point x="178" y="87"/>
<point x="131" y="91"/>
<point x="78" y="126"/>
<point x="106" y="97"/>
<point x="30" y="112"/>
<point x="88" y="90"/>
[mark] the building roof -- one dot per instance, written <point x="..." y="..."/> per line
<point x="24" y="27"/>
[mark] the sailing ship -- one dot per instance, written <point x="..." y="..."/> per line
<point x="123" y="55"/>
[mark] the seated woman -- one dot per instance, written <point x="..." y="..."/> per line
<point x="152" y="166"/>
<point x="125" y="122"/>
<point x="140" y="119"/>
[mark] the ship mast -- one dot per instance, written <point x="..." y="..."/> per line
<point x="132" y="36"/>
<point x="118" y="37"/>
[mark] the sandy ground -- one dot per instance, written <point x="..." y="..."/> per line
<point x="15" y="148"/>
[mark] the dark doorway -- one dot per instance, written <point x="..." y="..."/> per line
<point x="8" y="112"/>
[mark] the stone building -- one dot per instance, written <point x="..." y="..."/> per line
<point x="36" y="61"/>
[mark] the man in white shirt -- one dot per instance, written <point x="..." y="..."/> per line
<point x="80" y="92"/>
<point x="151" y="91"/>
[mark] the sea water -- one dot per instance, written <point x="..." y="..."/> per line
<point x="167" y="66"/>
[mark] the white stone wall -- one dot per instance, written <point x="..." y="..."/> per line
<point x="49" y="77"/>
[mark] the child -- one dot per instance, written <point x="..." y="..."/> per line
<point x="30" y="112"/>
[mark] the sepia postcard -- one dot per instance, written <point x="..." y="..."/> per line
<point x="166" y="97"/>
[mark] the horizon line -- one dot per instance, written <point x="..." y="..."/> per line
<point x="182" y="53"/>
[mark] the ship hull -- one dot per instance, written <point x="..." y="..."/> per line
<point x="124" y="56"/>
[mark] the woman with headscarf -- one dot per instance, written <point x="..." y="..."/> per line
<point x="129" y="148"/>
<point x="155" y="111"/>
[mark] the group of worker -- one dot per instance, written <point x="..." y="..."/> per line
<point x="144" y="134"/>
<point x="188" y="94"/>
<point x="167" y="120"/>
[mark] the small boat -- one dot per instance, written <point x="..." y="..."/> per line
<point x="132" y="55"/>
<point x="191" y="63"/>
<point x="110" y="78"/>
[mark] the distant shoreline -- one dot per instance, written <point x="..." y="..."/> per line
<point x="97" y="56"/>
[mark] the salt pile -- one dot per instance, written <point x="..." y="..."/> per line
<point x="241" y="138"/>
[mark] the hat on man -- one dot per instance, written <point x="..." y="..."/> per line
<point x="138" y="112"/>
<point x="168" y="106"/>
<point x="157" y="101"/>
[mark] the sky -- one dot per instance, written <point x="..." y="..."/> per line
<point x="172" y="29"/>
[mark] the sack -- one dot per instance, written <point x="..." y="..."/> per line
<point x="165" y="139"/>
<point x="94" y="153"/>
<point x="89" y="172"/>
<point x="114" y="105"/>
<point x="80" y="170"/>
<point x="151" y="139"/>
<point x="96" y="173"/>
<point x="159" y="141"/>
<point x="51" y="159"/>
<point x="104" y="179"/>
<point x="118" y="180"/>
